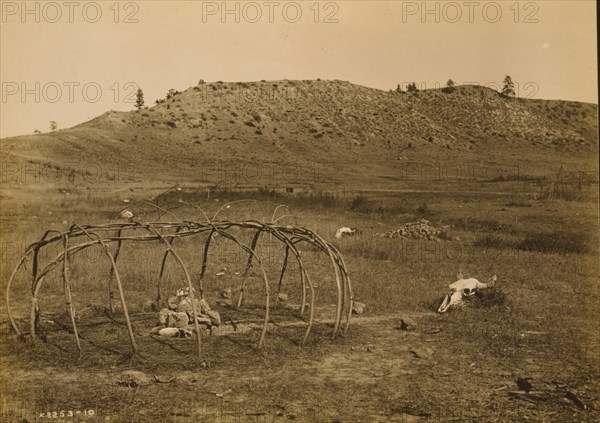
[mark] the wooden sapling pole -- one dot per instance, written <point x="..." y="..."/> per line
<point x="303" y="282"/>
<point x="122" y="296"/>
<point x="34" y="266"/>
<point x="115" y="257"/>
<point x="338" y="309"/>
<point x="162" y="270"/>
<point x="348" y="285"/>
<point x="248" y="265"/>
<point x="311" y="317"/>
<point x="283" y="267"/>
<point x="190" y="286"/>
<point x="33" y="315"/>
<point x="304" y="287"/>
<point x="119" y="286"/>
<point x="205" y="262"/>
<point x="8" y="285"/>
<point x="67" y="291"/>
<point x="252" y="254"/>
<point x="291" y="246"/>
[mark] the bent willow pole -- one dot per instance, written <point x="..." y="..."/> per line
<point x="80" y="237"/>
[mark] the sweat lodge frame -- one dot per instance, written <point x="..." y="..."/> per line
<point x="80" y="237"/>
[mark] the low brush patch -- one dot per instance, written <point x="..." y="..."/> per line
<point x="494" y="241"/>
<point x="543" y="242"/>
<point x="557" y="242"/>
<point x="364" y="205"/>
<point x="480" y="225"/>
<point x="490" y="298"/>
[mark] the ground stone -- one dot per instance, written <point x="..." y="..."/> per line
<point x="224" y="303"/>
<point x="177" y="320"/>
<point x="424" y="353"/>
<point x="215" y="318"/>
<point x="134" y="378"/>
<point x="408" y="324"/>
<point x="358" y="308"/>
<point x="186" y="377"/>
<point x="169" y="332"/>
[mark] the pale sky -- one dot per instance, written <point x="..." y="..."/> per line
<point x="547" y="47"/>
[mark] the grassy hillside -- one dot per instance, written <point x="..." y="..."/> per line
<point x="362" y="133"/>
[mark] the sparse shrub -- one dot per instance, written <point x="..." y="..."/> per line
<point x="559" y="191"/>
<point x="450" y="87"/>
<point x="557" y="242"/>
<point x="172" y="93"/>
<point x="358" y="202"/>
<point x="412" y="87"/>
<point x="480" y="225"/>
<point x="489" y="298"/>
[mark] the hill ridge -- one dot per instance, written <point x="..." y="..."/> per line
<point x="310" y="122"/>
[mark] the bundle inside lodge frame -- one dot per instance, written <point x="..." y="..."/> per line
<point x="80" y="237"/>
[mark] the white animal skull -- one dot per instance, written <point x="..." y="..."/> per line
<point x="463" y="288"/>
<point x="345" y="231"/>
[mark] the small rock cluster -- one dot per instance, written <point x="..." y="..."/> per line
<point x="178" y="319"/>
<point x="415" y="230"/>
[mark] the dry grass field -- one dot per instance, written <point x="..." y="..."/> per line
<point x="540" y="323"/>
<point x="520" y="203"/>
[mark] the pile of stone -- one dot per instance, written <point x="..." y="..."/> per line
<point x="178" y="319"/>
<point x="415" y="230"/>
